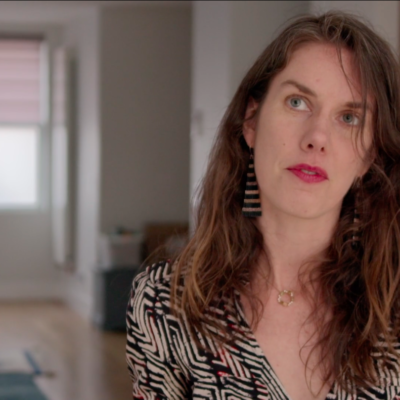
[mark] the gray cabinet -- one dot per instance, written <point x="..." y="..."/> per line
<point x="112" y="288"/>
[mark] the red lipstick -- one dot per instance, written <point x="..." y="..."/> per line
<point x="308" y="173"/>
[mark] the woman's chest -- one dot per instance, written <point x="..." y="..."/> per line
<point x="242" y="370"/>
<point x="288" y="345"/>
<point x="287" y="337"/>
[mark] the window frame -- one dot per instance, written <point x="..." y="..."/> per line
<point x="43" y="143"/>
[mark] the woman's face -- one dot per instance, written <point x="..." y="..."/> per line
<point x="304" y="134"/>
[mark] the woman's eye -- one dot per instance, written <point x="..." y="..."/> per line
<point x="350" y="119"/>
<point x="298" y="103"/>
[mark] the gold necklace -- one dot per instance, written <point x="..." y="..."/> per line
<point x="288" y="294"/>
<point x="282" y="294"/>
<point x="285" y="296"/>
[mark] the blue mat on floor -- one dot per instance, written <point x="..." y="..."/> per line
<point x="15" y="386"/>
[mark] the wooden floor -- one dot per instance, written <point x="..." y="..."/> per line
<point x="88" y="364"/>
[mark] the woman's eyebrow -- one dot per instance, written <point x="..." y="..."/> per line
<point x="299" y="86"/>
<point x="304" y="89"/>
<point x="358" y="105"/>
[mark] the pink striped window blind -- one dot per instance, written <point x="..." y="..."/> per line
<point x="20" y="81"/>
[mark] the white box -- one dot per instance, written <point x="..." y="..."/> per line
<point x="119" y="250"/>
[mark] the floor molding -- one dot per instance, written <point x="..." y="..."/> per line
<point x="33" y="289"/>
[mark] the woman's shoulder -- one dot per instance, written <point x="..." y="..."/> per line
<point x="158" y="274"/>
<point x="151" y="284"/>
<point x="154" y="363"/>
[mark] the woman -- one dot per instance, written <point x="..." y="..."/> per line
<point x="289" y="287"/>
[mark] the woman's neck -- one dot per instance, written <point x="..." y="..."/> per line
<point x="292" y="243"/>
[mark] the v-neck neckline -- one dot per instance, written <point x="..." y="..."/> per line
<point x="331" y="395"/>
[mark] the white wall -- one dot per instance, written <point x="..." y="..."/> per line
<point x="82" y="36"/>
<point x="227" y="38"/>
<point x="210" y="79"/>
<point x="145" y="114"/>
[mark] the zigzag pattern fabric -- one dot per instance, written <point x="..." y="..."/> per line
<point x="165" y="363"/>
<point x="251" y="203"/>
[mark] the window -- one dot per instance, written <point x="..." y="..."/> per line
<point x="21" y="110"/>
<point x="18" y="166"/>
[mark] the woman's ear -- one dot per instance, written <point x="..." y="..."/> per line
<point x="250" y="123"/>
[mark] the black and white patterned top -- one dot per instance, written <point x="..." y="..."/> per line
<point x="165" y="363"/>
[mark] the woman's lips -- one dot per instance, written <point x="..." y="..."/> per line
<point x="309" y="174"/>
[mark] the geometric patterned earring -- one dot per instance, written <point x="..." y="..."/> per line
<point x="251" y="203"/>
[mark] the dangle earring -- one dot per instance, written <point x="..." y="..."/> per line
<point x="356" y="219"/>
<point x="251" y="203"/>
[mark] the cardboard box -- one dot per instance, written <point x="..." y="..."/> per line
<point x="164" y="240"/>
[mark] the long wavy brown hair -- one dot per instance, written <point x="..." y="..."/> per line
<point x="358" y="281"/>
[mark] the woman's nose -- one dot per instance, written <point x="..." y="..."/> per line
<point x="316" y="134"/>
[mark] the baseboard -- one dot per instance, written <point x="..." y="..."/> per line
<point x="33" y="289"/>
<point x="67" y="289"/>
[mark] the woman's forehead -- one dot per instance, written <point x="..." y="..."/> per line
<point x="321" y="67"/>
